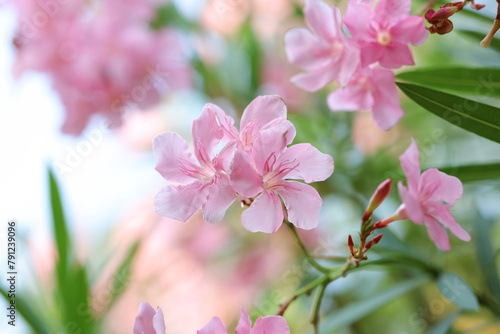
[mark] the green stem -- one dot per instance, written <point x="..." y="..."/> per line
<point x="316" y="306"/>
<point x="304" y="250"/>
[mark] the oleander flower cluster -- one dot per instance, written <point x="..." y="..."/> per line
<point x="149" y="321"/>
<point x="362" y="63"/>
<point x="102" y="58"/>
<point x="255" y="164"/>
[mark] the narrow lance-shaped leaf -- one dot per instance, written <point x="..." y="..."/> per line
<point x="479" y="36"/>
<point x="457" y="291"/>
<point x="60" y="228"/>
<point x="473" y="116"/>
<point x="470" y="173"/>
<point x="357" y="310"/>
<point x="25" y="311"/>
<point x="473" y="81"/>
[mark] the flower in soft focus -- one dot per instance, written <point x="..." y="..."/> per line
<point x="270" y="324"/>
<point x="103" y="60"/>
<point x="148" y="321"/>
<point x="370" y="89"/>
<point x="439" y="20"/>
<point x="377" y="198"/>
<point x="207" y="185"/>
<point x="262" y="176"/>
<point x="325" y="53"/>
<point x="383" y="34"/>
<point x="428" y="198"/>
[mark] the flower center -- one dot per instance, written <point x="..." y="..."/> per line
<point x="383" y="37"/>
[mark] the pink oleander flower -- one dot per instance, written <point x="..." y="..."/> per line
<point x="428" y="198"/>
<point x="206" y="182"/>
<point x="370" y="89"/>
<point x="263" y="176"/>
<point x="383" y="34"/>
<point x="325" y="53"/>
<point x="264" y="114"/>
<point x="270" y="324"/>
<point x="148" y="321"/>
<point x="439" y="20"/>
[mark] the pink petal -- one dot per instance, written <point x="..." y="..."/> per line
<point x="315" y="80"/>
<point x="159" y="322"/>
<point x="385" y="113"/>
<point x="144" y="321"/>
<point x="244" y="178"/>
<point x="347" y="64"/>
<point x="215" y="326"/>
<point x="220" y="198"/>
<point x="302" y="203"/>
<point x="263" y="110"/>
<point x="312" y="165"/>
<point x="449" y="190"/>
<point x="321" y="19"/>
<point x="174" y="161"/>
<point x="271" y="325"/>
<point x="265" y="214"/>
<point x="305" y="50"/>
<point x="437" y="233"/>
<point x="245" y="324"/>
<point x="392" y="9"/>
<point x="226" y="122"/>
<point x="410" y="162"/>
<point x="206" y="133"/>
<point x="272" y="139"/>
<point x="223" y="160"/>
<point x="383" y="82"/>
<point x="410" y="30"/>
<point x="350" y="98"/>
<point x="371" y="53"/>
<point x="181" y="202"/>
<point x="412" y="206"/>
<point x="357" y="18"/>
<point x="442" y="214"/>
<point x="396" y="55"/>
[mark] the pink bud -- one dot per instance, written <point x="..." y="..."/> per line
<point x="373" y="242"/>
<point x="476" y="6"/>
<point x="378" y="197"/>
<point x="350" y="244"/>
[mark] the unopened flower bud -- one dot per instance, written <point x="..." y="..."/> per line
<point x="373" y="242"/>
<point x="350" y="244"/>
<point x="487" y="40"/>
<point x="378" y="197"/>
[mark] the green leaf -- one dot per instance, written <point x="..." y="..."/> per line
<point x="486" y="255"/>
<point x="60" y="229"/>
<point x="473" y="116"/>
<point x="357" y="310"/>
<point x="23" y="309"/>
<point x="476" y="81"/>
<point x="457" y="291"/>
<point x="444" y="326"/>
<point x="479" y="36"/>
<point x="122" y="275"/>
<point x="470" y="173"/>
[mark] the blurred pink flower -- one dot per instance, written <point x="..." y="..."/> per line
<point x="148" y="321"/>
<point x="368" y="137"/>
<point x="207" y="186"/>
<point x="429" y="198"/>
<point x="370" y="89"/>
<point x="103" y="60"/>
<point x="269" y="324"/>
<point x="383" y="34"/>
<point x="325" y="53"/>
<point x="262" y="175"/>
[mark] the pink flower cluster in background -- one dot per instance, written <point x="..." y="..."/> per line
<point x="101" y="57"/>
<point x="254" y="163"/>
<point x="150" y="322"/>
<point x="361" y="63"/>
